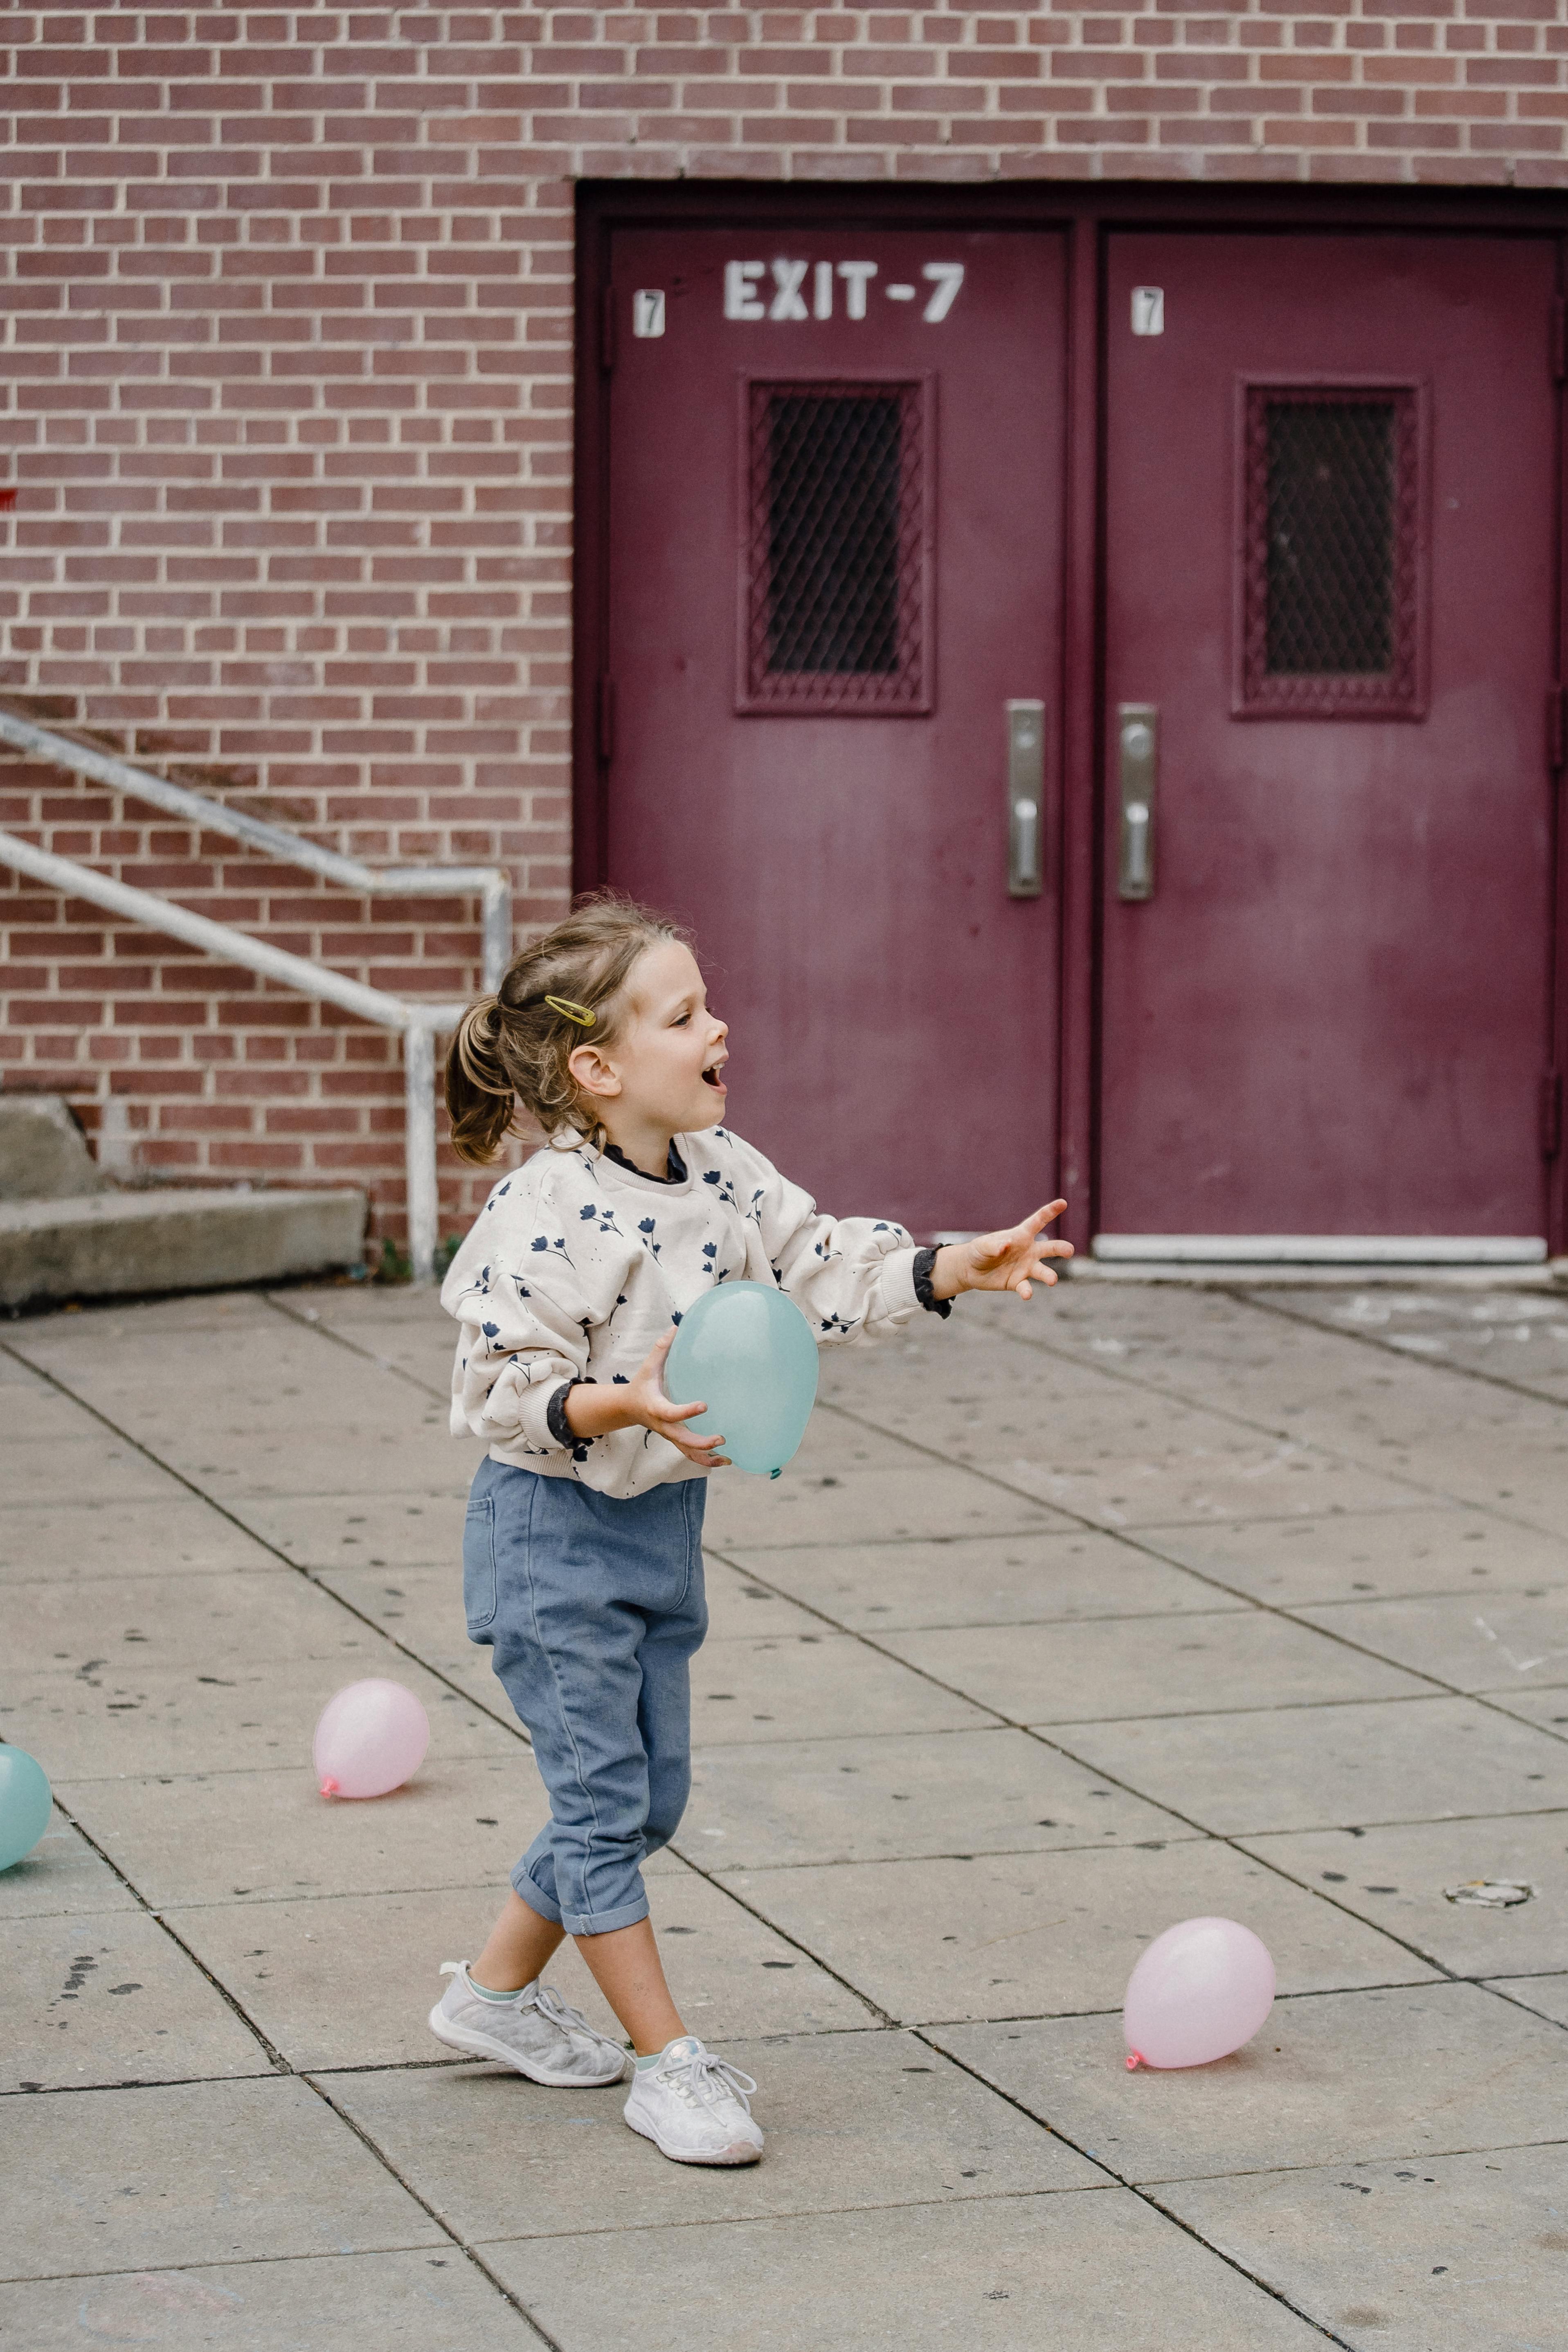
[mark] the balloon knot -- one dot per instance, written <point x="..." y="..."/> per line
<point x="1135" y="2058"/>
<point x="329" y="1788"/>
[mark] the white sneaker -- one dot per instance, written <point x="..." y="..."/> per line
<point x="536" y="2031"/>
<point x="694" y="2106"/>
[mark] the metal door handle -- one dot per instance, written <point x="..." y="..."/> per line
<point x="1138" y="757"/>
<point x="1025" y="796"/>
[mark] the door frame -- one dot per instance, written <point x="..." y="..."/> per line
<point x="1087" y="216"/>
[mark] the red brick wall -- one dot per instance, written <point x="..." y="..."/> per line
<point x="289" y="390"/>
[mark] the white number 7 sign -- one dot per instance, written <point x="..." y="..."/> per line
<point x="946" y="276"/>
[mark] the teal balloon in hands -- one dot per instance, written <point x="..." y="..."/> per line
<point x="749" y="1353"/>
<point x="23" y="1804"/>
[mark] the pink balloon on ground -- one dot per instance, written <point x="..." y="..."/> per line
<point x="1200" y="1991"/>
<point x="371" y="1737"/>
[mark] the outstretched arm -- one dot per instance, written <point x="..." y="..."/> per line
<point x="1011" y="1260"/>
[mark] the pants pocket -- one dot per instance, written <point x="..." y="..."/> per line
<point x="480" y="1567"/>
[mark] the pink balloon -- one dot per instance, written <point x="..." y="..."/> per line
<point x="1200" y="1991"/>
<point x="371" y="1737"/>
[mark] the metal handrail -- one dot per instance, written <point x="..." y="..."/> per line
<point x="418" y="1024"/>
<point x="491" y="882"/>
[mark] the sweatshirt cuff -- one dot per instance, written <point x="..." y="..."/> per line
<point x="555" y="1420"/>
<point x="924" y="1268"/>
<point x="896" y="1295"/>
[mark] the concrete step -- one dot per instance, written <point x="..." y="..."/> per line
<point x="43" y="1151"/>
<point x="111" y="1245"/>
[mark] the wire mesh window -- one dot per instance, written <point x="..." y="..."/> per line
<point x="835" y="573"/>
<point x="1331" y="589"/>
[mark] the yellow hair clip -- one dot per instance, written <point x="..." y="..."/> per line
<point x="578" y="1013"/>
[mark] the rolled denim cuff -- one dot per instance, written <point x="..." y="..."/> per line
<point x="925" y="1265"/>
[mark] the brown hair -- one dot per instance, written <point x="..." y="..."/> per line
<point x="512" y="1049"/>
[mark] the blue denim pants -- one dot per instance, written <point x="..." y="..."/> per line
<point x="594" y="1607"/>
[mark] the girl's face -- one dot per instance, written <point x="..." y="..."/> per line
<point x="664" y="1069"/>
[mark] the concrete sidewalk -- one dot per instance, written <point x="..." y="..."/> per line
<point x="1070" y="1620"/>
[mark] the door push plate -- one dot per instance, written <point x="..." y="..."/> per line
<point x="1025" y="797"/>
<point x="1137" y="762"/>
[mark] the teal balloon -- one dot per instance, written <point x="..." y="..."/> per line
<point x="23" y="1804"/>
<point x="749" y="1353"/>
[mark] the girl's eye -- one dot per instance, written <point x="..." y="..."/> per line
<point x="682" y="1020"/>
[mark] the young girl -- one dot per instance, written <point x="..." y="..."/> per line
<point x="582" y="1562"/>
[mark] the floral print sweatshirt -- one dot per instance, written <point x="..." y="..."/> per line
<point x="576" y="1265"/>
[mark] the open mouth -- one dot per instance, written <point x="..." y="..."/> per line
<point x="713" y="1077"/>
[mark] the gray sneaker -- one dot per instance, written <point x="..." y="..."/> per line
<point x="536" y="2031"/>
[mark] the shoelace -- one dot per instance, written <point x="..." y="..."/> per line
<point x="549" y="2003"/>
<point x="708" y="2079"/>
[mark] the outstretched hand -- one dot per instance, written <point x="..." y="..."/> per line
<point x="1014" y="1259"/>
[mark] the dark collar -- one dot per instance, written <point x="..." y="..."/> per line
<point x="675" y="1170"/>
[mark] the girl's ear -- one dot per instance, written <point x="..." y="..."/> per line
<point x="593" y="1073"/>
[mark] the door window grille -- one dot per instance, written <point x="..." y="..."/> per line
<point x="1331" y="591"/>
<point x="834" y="587"/>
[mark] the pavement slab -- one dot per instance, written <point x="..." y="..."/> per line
<point x="112" y="1720"/>
<point x="1264" y="1477"/>
<point x="1046" y="2274"/>
<point x="1548" y="1995"/>
<point x="1364" y="1555"/>
<point x="893" y="1588"/>
<point x="417" y="2301"/>
<point x="61" y="1877"/>
<point x="900" y="1796"/>
<point x="1310" y="1767"/>
<point x="108" y="1996"/>
<point x="1445" y="2254"/>
<point x="867" y="2118"/>
<point x="33" y="1413"/>
<point x="1398" y="1879"/>
<point x="93" y="1468"/>
<point x="266" y="1836"/>
<point x="389" y="1460"/>
<point x="911" y="1919"/>
<point x="1149" y="1666"/>
<point x="196" y="2173"/>
<point x="361" y="1528"/>
<point x="854" y="1506"/>
<point x="1022" y="1936"/>
<point x="287" y="1965"/>
<point x="157" y="1623"/>
<point x="808" y="1686"/>
<point x="1546" y="1709"/>
<point x="1395" y="2072"/>
<point x="179" y="1534"/>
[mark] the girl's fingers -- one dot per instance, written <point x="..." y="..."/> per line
<point x="667" y="1410"/>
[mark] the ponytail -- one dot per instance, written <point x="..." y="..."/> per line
<point x="480" y="1095"/>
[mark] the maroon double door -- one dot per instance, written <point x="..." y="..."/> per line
<point x="834" y="693"/>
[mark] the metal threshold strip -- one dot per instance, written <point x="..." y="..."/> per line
<point x="1321" y="1249"/>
